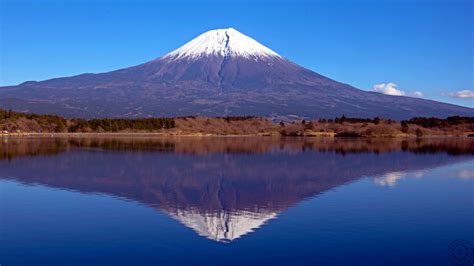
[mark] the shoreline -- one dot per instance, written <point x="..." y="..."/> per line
<point x="167" y="134"/>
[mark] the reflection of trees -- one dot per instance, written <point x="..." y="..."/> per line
<point x="11" y="148"/>
<point x="15" y="147"/>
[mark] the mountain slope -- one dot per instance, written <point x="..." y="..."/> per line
<point x="221" y="72"/>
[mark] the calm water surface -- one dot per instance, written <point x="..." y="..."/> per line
<point x="234" y="201"/>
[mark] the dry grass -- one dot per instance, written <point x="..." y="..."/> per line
<point x="221" y="126"/>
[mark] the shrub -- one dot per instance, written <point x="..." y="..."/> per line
<point x="419" y="132"/>
<point x="309" y="126"/>
<point x="404" y="126"/>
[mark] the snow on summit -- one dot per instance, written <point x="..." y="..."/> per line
<point x="222" y="42"/>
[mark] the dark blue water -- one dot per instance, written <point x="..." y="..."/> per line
<point x="234" y="201"/>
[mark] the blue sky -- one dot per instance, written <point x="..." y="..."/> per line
<point x="424" y="46"/>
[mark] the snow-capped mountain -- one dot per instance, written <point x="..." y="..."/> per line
<point x="222" y="42"/>
<point x="223" y="226"/>
<point x="219" y="73"/>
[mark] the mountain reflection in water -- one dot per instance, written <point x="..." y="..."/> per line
<point x="223" y="188"/>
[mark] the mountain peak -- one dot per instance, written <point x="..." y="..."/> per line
<point x="222" y="42"/>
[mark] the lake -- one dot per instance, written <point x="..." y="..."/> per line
<point x="236" y="201"/>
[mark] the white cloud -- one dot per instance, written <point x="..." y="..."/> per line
<point x="462" y="94"/>
<point x="418" y="174"/>
<point x="418" y="94"/>
<point x="465" y="174"/>
<point x="389" y="179"/>
<point x="389" y="88"/>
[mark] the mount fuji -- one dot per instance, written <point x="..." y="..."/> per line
<point x="220" y="73"/>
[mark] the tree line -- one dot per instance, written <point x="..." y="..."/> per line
<point x="119" y="124"/>
<point x="61" y="124"/>
<point x="432" y="122"/>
